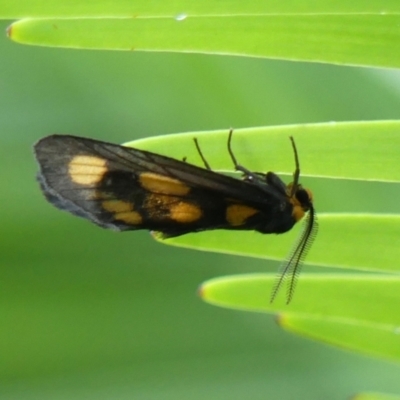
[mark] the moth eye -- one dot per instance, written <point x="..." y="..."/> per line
<point x="303" y="197"/>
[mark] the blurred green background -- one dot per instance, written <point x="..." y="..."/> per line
<point x="92" y="314"/>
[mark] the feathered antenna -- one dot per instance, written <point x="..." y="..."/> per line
<point x="292" y="265"/>
<point x="290" y="269"/>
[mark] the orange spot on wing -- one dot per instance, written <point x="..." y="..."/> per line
<point x="237" y="214"/>
<point x="185" y="213"/>
<point x="161" y="184"/>
<point x="123" y="211"/>
<point x="130" y="218"/>
<point x="116" y="206"/>
<point x="170" y="208"/>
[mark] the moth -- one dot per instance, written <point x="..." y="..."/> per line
<point x="124" y="188"/>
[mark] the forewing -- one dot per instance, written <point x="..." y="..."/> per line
<point x="125" y="188"/>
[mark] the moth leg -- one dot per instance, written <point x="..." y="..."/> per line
<point x="248" y="175"/>
<point x="206" y="164"/>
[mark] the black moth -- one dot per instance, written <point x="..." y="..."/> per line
<point x="123" y="188"/>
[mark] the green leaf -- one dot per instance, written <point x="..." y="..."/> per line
<point x="352" y="150"/>
<point x="368" y="242"/>
<point x="145" y="8"/>
<point x="357" y="312"/>
<point x="352" y="36"/>
<point x="374" y="396"/>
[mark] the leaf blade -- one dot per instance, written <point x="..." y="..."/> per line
<point x="364" y="39"/>
<point x="357" y="312"/>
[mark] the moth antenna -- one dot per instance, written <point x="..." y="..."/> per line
<point x="296" y="173"/>
<point x="290" y="269"/>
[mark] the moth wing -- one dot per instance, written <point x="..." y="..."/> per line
<point x="104" y="182"/>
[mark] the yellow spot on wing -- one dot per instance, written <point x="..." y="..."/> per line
<point x="237" y="214"/>
<point x="87" y="170"/>
<point x="130" y="218"/>
<point x="185" y="213"/>
<point x="116" y="206"/>
<point x="122" y="211"/>
<point x="162" y="184"/>
<point x="170" y="208"/>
